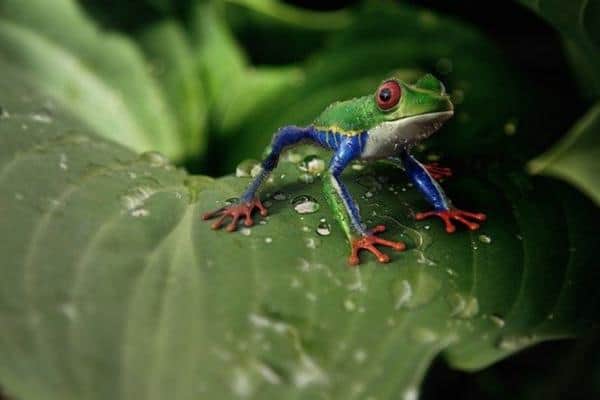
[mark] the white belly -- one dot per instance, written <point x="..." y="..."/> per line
<point x="388" y="138"/>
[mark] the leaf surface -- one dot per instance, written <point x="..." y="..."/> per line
<point x="113" y="287"/>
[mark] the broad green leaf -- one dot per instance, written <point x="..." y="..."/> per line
<point x="235" y="88"/>
<point x="175" y="67"/>
<point x="101" y="77"/>
<point x="578" y="21"/>
<point x="114" y="288"/>
<point x="318" y="20"/>
<point x="575" y="157"/>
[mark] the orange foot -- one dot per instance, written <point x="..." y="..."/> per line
<point x="453" y="214"/>
<point x="368" y="242"/>
<point x="438" y="172"/>
<point x="236" y="211"/>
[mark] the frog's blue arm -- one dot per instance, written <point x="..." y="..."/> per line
<point x="285" y="137"/>
<point x="431" y="190"/>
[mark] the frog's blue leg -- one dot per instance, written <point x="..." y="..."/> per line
<point x="345" y="210"/>
<point x="430" y="189"/>
<point x="285" y="137"/>
<point x="434" y="194"/>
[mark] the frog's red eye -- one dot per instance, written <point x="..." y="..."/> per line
<point x="388" y="94"/>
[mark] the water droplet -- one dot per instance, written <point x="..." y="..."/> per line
<point x="358" y="166"/>
<point x="135" y="198"/>
<point x="132" y="174"/>
<point x="155" y="159"/>
<point x="244" y="169"/>
<point x="311" y="297"/>
<point x="305" y="204"/>
<point x="312" y="164"/>
<point x="279" y="195"/>
<point x="444" y="66"/>
<point x="485" y="239"/>
<point x="410" y="394"/>
<point x="360" y="355"/>
<point x="424" y="335"/>
<point x="306" y="178"/>
<point x="349" y="305"/>
<point x="497" y="320"/>
<point x="43" y="116"/>
<point x="62" y="162"/>
<point x="515" y="342"/>
<point x="139" y="212"/>
<point x="241" y="384"/>
<point x="402" y="291"/>
<point x="311" y="243"/>
<point x="69" y="310"/>
<point x="19" y="196"/>
<point x="268" y="240"/>
<point x="4" y="113"/>
<point x="323" y="229"/>
<point x="246" y="231"/>
<point x="463" y="306"/>
<point x="510" y="127"/>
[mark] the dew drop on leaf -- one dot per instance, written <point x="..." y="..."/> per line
<point x="155" y="159"/>
<point x="463" y="306"/>
<point x="305" y="204"/>
<point x="279" y="195"/>
<point x="497" y="320"/>
<point x="312" y="164"/>
<point x="323" y="229"/>
<point x="485" y="239"/>
<point x="402" y="292"/>
<point x="245" y="168"/>
<point x="43" y="116"/>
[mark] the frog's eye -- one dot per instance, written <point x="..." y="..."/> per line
<point x="388" y="94"/>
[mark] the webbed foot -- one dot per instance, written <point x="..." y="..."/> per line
<point x="368" y="242"/>
<point x="438" y="172"/>
<point x="235" y="212"/>
<point x="453" y="214"/>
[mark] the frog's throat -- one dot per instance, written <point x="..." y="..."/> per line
<point x="387" y="138"/>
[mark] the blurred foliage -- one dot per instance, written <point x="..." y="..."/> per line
<point x="207" y="83"/>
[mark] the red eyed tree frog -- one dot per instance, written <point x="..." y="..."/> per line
<point x="385" y="125"/>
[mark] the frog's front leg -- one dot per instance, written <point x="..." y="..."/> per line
<point x="434" y="194"/>
<point x="346" y="211"/>
<point x="249" y="201"/>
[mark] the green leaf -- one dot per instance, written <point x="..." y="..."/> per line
<point x="174" y="61"/>
<point x="114" y="288"/>
<point x="234" y="87"/>
<point x="575" y="157"/>
<point x="578" y="21"/>
<point x="101" y="77"/>
<point x="307" y="19"/>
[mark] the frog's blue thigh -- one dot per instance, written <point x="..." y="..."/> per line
<point x="430" y="189"/>
<point x="285" y="137"/>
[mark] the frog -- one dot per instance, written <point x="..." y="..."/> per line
<point x="385" y="125"/>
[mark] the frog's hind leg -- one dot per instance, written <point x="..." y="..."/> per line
<point x="345" y="210"/>
<point x="285" y="137"/>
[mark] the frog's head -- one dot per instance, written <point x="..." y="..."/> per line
<point x="417" y="109"/>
